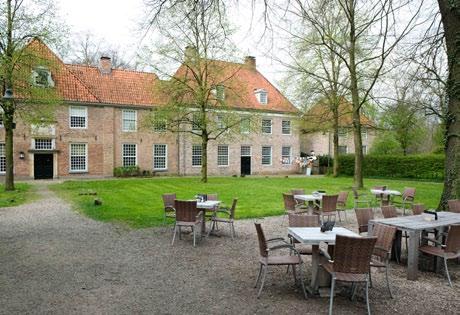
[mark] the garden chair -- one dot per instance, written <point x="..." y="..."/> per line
<point x="169" y="210"/>
<point x="352" y="257"/>
<point x="290" y="205"/>
<point x="450" y="250"/>
<point x="389" y="211"/>
<point x="363" y="215"/>
<point x="188" y="215"/>
<point x="381" y="199"/>
<point x="230" y="213"/>
<point x="418" y="208"/>
<point x="360" y="198"/>
<point x="300" y="203"/>
<point x="342" y="204"/>
<point x="212" y="197"/>
<point x="298" y="191"/>
<point x="382" y="251"/>
<point x="454" y="205"/>
<point x="407" y="199"/>
<point x="268" y="259"/>
<point x="302" y="220"/>
<point x="328" y="207"/>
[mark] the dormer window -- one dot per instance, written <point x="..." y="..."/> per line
<point x="262" y="96"/>
<point x="41" y="77"/>
<point x="219" y="92"/>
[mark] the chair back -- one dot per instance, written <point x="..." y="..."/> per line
<point x="168" y="200"/>
<point x="232" y="209"/>
<point x="353" y="254"/>
<point x="363" y="215"/>
<point x="389" y="211"/>
<point x="418" y="208"/>
<point x="385" y="235"/>
<point x="262" y="240"/>
<point x="186" y="210"/>
<point x="453" y="239"/>
<point x="289" y="202"/>
<point x="454" y="205"/>
<point x="408" y="194"/>
<point x="342" y="199"/>
<point x="298" y="191"/>
<point x="212" y="197"/>
<point x="329" y="203"/>
<point x="303" y="220"/>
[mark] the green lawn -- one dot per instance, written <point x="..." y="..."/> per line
<point x="138" y="203"/>
<point x="22" y="194"/>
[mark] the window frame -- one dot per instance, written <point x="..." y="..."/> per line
<point x="123" y="156"/>
<point x="70" y="158"/>
<point x="271" y="126"/>
<point x="160" y="156"/>
<point x="194" y="146"/>
<point x="262" y="155"/>
<point x="260" y="99"/>
<point x="343" y="146"/>
<point x="283" y="155"/>
<point x="282" y="127"/>
<point x="36" y="73"/>
<point x="157" y="122"/>
<point x="227" y="155"/>
<point x="123" y="119"/>
<point x="2" y="158"/>
<point x="51" y="140"/>
<point x="86" y="116"/>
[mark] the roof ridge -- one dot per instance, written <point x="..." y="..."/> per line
<point x="114" y="69"/>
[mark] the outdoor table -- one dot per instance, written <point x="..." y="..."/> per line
<point x="414" y="225"/>
<point x="311" y="199"/>
<point x="313" y="236"/>
<point x="208" y="205"/>
<point x="387" y="193"/>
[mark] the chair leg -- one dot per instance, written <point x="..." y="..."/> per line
<point x="370" y="277"/>
<point x="331" y="299"/>
<point x="294" y="273"/>
<point x="174" y="234"/>
<point x="258" y="275"/>
<point x="211" y="227"/>
<point x="180" y="233"/>
<point x="367" y="298"/>
<point x="194" y="236"/>
<point x="388" y="281"/>
<point x="233" y="231"/>
<point x="263" y="281"/>
<point x="447" y="272"/>
<point x="340" y="218"/>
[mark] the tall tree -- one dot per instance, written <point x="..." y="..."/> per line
<point x="21" y="22"/>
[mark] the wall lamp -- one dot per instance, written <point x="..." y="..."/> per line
<point x="22" y="155"/>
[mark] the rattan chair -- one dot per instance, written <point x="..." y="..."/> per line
<point x="382" y="251"/>
<point x="418" y="208"/>
<point x="229" y="219"/>
<point x="302" y="220"/>
<point x="389" y="211"/>
<point x="290" y="205"/>
<point x="360" y="199"/>
<point x="407" y="199"/>
<point x="300" y="204"/>
<point x="187" y="215"/>
<point x="298" y="191"/>
<point x="352" y="257"/>
<point x="212" y="197"/>
<point x="328" y="207"/>
<point x="342" y="204"/>
<point x="267" y="259"/>
<point x="454" y="205"/>
<point x="169" y="210"/>
<point x="450" y="250"/>
<point x="363" y="215"/>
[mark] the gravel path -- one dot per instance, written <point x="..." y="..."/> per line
<point x="53" y="260"/>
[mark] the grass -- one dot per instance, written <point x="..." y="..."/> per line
<point x="138" y="203"/>
<point x="22" y="194"/>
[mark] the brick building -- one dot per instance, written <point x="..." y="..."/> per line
<point x="99" y="127"/>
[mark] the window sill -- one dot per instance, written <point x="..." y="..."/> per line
<point x="160" y="169"/>
<point x="78" y="172"/>
<point x="79" y="128"/>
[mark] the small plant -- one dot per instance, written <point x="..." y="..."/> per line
<point x="126" y="171"/>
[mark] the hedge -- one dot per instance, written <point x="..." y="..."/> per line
<point x="430" y="166"/>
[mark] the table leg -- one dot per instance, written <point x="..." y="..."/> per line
<point x="412" y="259"/>
<point x="314" y="268"/>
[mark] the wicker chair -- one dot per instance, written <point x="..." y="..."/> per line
<point x="454" y="205"/>
<point x="302" y="220"/>
<point x="382" y="251"/>
<point x="300" y="204"/>
<point x="211" y="197"/>
<point x="342" y="204"/>
<point x="352" y="257"/>
<point x="389" y="211"/>
<point x="328" y="207"/>
<point x="450" y="250"/>
<point x="418" y="208"/>
<point x="169" y="210"/>
<point x="298" y="191"/>
<point x="363" y="215"/>
<point x="360" y="198"/>
<point x="290" y="205"/>
<point x="230" y="213"/>
<point x="188" y="215"/>
<point x="267" y="259"/>
<point x="407" y="199"/>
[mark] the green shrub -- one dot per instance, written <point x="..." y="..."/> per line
<point x="429" y="166"/>
<point x="126" y="171"/>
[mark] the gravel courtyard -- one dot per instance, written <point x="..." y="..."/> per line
<point x="54" y="260"/>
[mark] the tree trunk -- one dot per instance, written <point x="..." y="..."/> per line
<point x="450" y="16"/>
<point x="204" y="157"/>
<point x="335" y="126"/>
<point x="9" y="174"/>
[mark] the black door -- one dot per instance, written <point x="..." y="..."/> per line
<point x="245" y="165"/>
<point x="43" y="166"/>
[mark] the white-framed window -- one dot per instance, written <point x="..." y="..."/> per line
<point x="286" y="127"/>
<point x="343" y="149"/>
<point x="2" y="159"/>
<point x="78" y="157"/>
<point x="222" y="155"/>
<point x="219" y="92"/>
<point x="160" y="156"/>
<point x="41" y="77"/>
<point x="43" y="144"/>
<point x="245" y="150"/>
<point x="129" y="154"/>
<point x="159" y="125"/>
<point x="262" y="96"/>
<point x="129" y="120"/>
<point x="343" y="132"/>
<point x="364" y="149"/>
<point x="286" y="157"/>
<point x="196" y="125"/>
<point x="78" y="117"/>
<point x="245" y="125"/>
<point x="267" y="126"/>
<point x="364" y="133"/>
<point x="266" y="155"/>
<point x="196" y="155"/>
<point x="221" y="122"/>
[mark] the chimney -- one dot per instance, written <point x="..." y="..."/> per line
<point x="190" y="53"/>
<point x="105" y="65"/>
<point x="250" y="62"/>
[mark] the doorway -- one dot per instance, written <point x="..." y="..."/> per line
<point x="43" y="166"/>
<point x="245" y="165"/>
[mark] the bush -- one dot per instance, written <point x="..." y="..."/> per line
<point x="126" y="171"/>
<point x="429" y="166"/>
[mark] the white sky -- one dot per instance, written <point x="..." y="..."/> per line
<point x="116" y="21"/>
